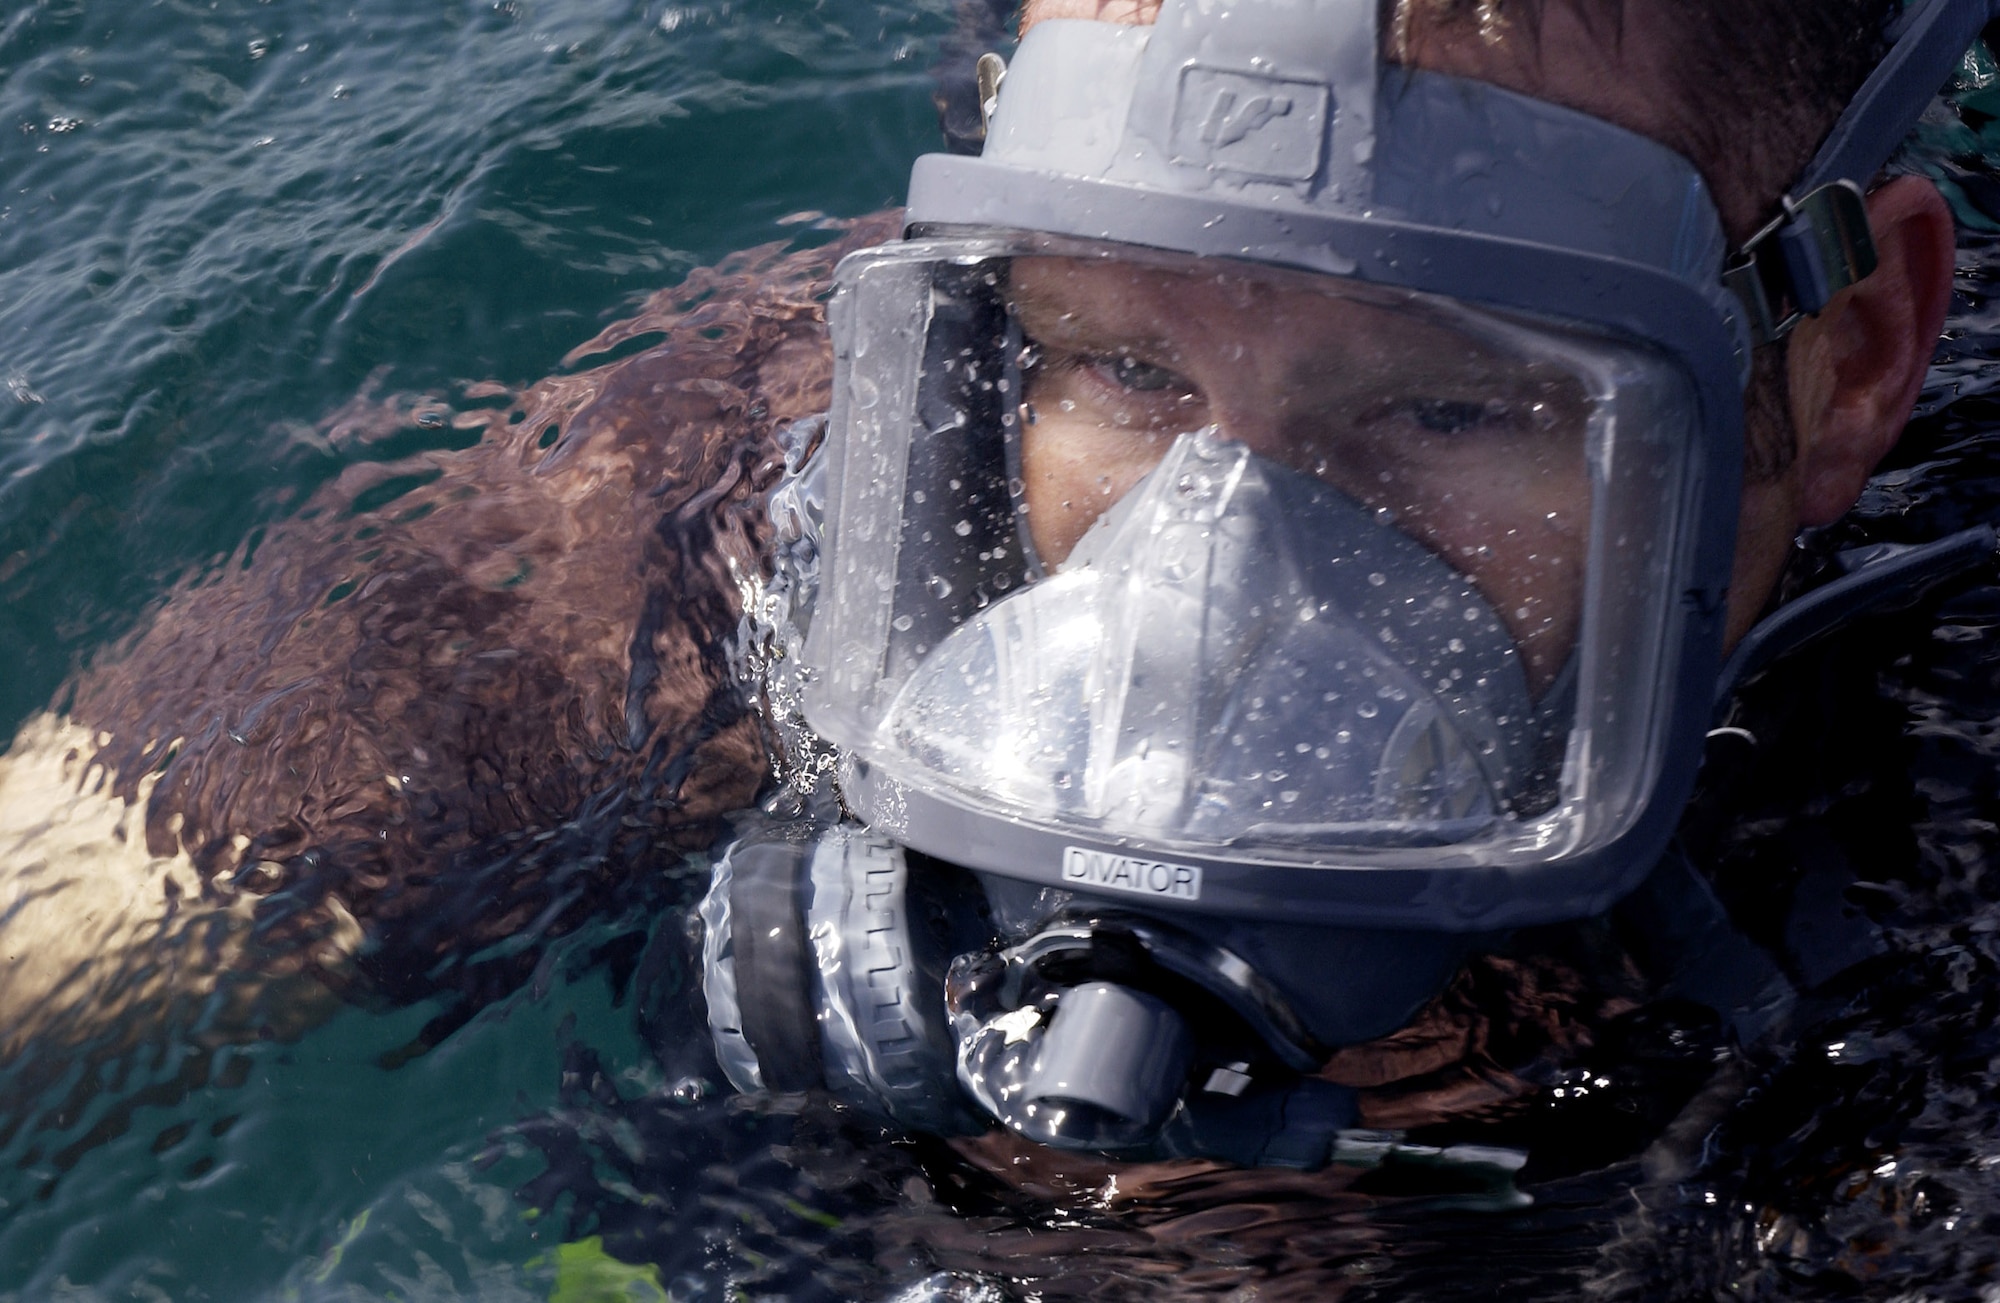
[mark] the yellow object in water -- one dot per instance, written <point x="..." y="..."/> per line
<point x="585" y="1273"/>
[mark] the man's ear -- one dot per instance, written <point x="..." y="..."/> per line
<point x="1854" y="370"/>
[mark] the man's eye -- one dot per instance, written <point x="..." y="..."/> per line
<point x="1141" y="377"/>
<point x="1453" y="416"/>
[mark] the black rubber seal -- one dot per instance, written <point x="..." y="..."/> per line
<point x="773" y="963"/>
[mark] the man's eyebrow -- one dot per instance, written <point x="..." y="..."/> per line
<point x="1079" y="325"/>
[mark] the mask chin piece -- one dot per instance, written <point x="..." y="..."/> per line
<point x="1124" y="1034"/>
<point x="1103" y="1070"/>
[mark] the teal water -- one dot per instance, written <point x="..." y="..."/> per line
<point x="219" y="223"/>
<point x="220" y="220"/>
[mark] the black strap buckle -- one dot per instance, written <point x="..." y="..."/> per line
<point x="1792" y="268"/>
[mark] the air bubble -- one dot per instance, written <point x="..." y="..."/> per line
<point x="1377" y="578"/>
<point x="903" y="623"/>
<point x="963" y="529"/>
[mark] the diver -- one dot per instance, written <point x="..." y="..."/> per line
<point x="1291" y="508"/>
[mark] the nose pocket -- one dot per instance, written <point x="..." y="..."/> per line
<point x="1427" y="773"/>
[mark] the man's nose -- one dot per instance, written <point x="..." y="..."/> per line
<point x="1250" y="416"/>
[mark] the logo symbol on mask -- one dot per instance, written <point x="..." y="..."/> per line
<point x="1228" y="122"/>
<point x="1270" y="128"/>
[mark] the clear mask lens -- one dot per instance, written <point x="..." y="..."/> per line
<point x="1223" y="558"/>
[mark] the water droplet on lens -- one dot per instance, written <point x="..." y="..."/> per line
<point x="963" y="529"/>
<point x="903" y="623"/>
<point x="1367" y="710"/>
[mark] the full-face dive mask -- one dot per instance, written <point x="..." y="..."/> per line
<point x="1278" y="511"/>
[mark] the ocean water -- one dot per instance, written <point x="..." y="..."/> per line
<point x="222" y="222"/>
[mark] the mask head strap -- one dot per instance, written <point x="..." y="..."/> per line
<point x="1820" y="243"/>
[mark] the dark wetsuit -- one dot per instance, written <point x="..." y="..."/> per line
<point x="481" y="695"/>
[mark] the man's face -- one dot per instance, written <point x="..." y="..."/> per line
<point x="1455" y="434"/>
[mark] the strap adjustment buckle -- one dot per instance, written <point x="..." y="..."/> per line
<point x="1792" y="268"/>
